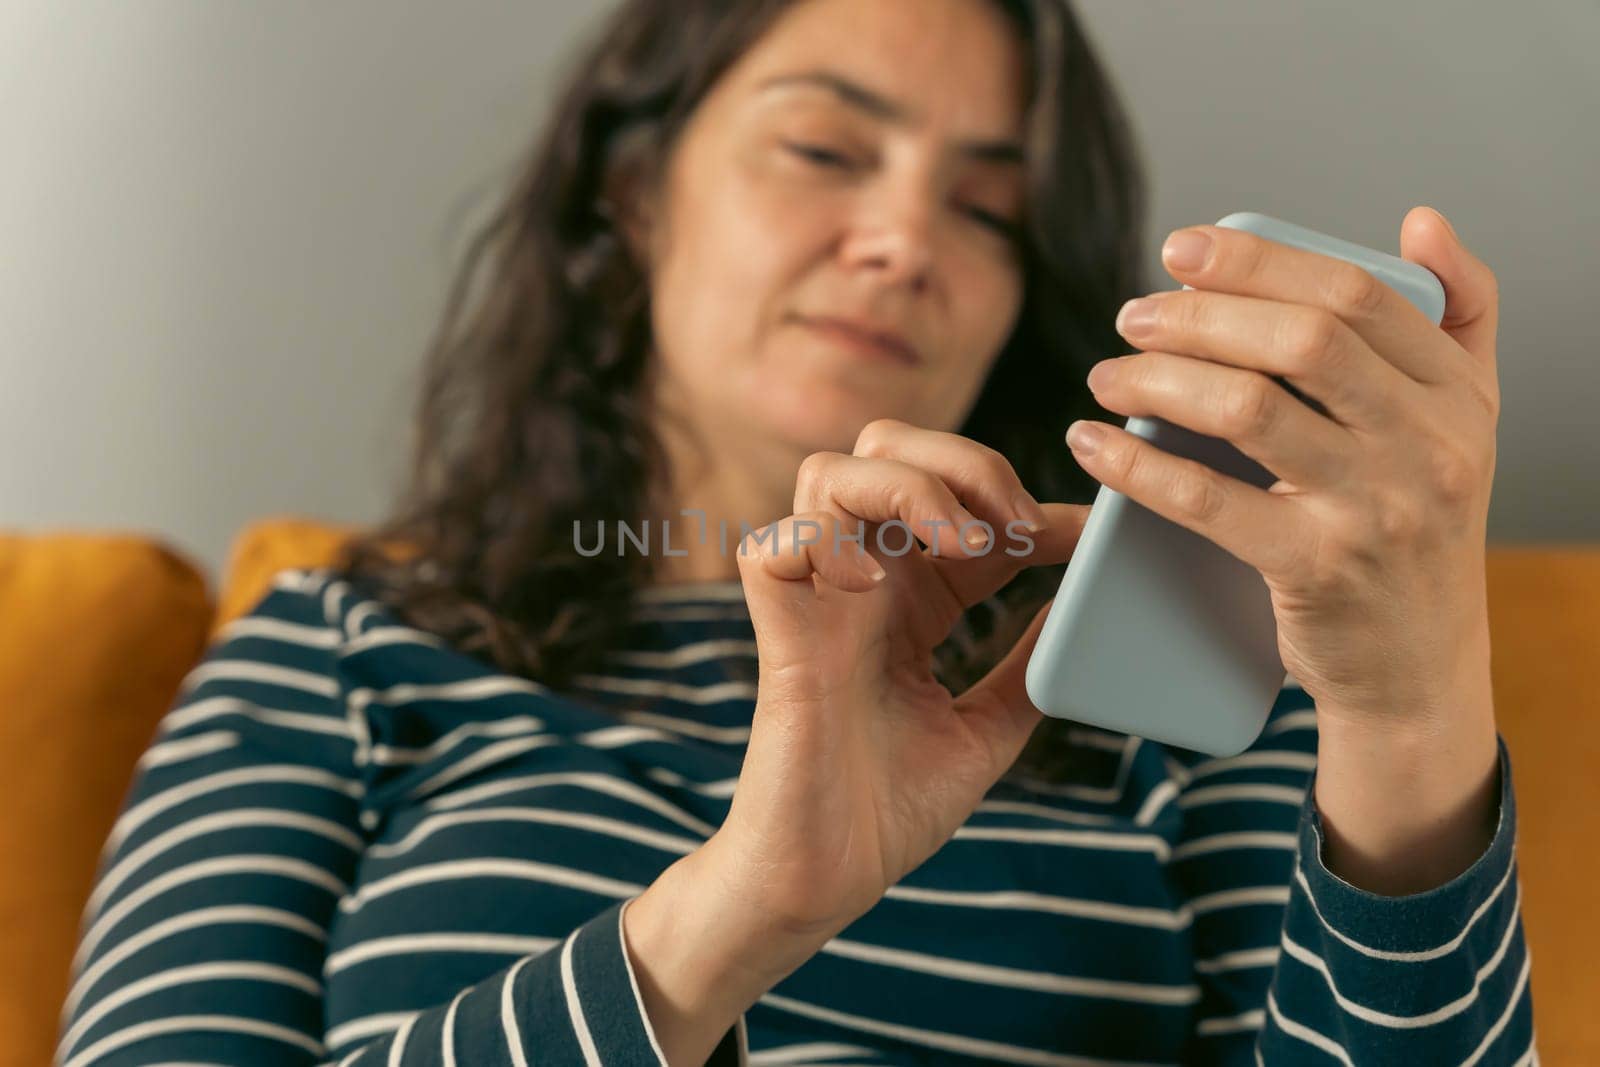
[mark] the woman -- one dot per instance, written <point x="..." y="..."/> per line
<point x="497" y="797"/>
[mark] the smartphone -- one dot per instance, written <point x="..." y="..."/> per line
<point x="1157" y="631"/>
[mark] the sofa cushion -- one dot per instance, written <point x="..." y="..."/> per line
<point x="99" y="629"/>
<point x="267" y="546"/>
<point x="1544" y="624"/>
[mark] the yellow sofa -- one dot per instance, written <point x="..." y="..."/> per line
<point x="98" y="629"/>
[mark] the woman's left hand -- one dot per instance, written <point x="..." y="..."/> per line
<point x="1372" y="540"/>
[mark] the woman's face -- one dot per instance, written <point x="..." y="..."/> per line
<point x="860" y="163"/>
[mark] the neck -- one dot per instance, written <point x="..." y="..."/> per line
<point x="728" y="481"/>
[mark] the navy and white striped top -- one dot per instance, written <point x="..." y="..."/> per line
<point x="351" y="843"/>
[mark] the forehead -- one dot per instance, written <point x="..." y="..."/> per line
<point x="951" y="64"/>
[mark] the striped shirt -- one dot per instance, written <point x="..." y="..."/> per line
<point x="350" y="843"/>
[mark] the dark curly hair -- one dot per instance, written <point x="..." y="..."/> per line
<point x="533" y="415"/>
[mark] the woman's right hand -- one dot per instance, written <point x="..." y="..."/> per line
<point x="860" y="764"/>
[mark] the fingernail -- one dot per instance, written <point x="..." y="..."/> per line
<point x="1136" y="316"/>
<point x="975" y="537"/>
<point x="872" y="567"/>
<point x="1103" y="374"/>
<point x="1084" y="438"/>
<point x="1186" y="250"/>
<point x="1028" y="510"/>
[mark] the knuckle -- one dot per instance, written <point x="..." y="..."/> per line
<point x="1397" y="518"/>
<point x="813" y="473"/>
<point x="1251" y="408"/>
<point x="1198" y="496"/>
<point x="1181" y="312"/>
<point x="1308" y="337"/>
<point x="1353" y="292"/>
<point x="1324" y="570"/>
<point x="1487" y="398"/>
<point x="1455" y="474"/>
<point x="873" y="440"/>
<point x="1122" y="460"/>
<point x="1255" y="258"/>
<point x="993" y="465"/>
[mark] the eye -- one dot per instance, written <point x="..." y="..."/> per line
<point x="824" y="156"/>
<point x="1008" y="228"/>
<point x="819" y="154"/>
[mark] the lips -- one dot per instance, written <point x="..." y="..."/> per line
<point x="865" y="336"/>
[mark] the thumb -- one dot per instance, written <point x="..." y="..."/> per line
<point x="997" y="704"/>
<point x="1471" y="291"/>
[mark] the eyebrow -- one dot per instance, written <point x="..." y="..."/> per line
<point x="881" y="107"/>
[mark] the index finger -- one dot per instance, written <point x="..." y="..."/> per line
<point x="982" y="479"/>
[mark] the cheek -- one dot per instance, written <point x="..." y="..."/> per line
<point x="987" y="299"/>
<point x="730" y="274"/>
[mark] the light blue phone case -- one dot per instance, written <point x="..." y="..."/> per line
<point x="1157" y="631"/>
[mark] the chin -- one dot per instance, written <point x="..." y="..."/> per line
<point x="819" y="417"/>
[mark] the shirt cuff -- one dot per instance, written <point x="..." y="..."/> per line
<point x="1419" y="922"/>
<point x="734" y="1048"/>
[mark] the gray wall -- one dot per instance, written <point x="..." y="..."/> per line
<point x="227" y="228"/>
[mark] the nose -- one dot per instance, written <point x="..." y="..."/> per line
<point x="891" y="236"/>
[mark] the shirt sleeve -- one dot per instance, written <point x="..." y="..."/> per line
<point x="1298" y="966"/>
<point x="205" y="934"/>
